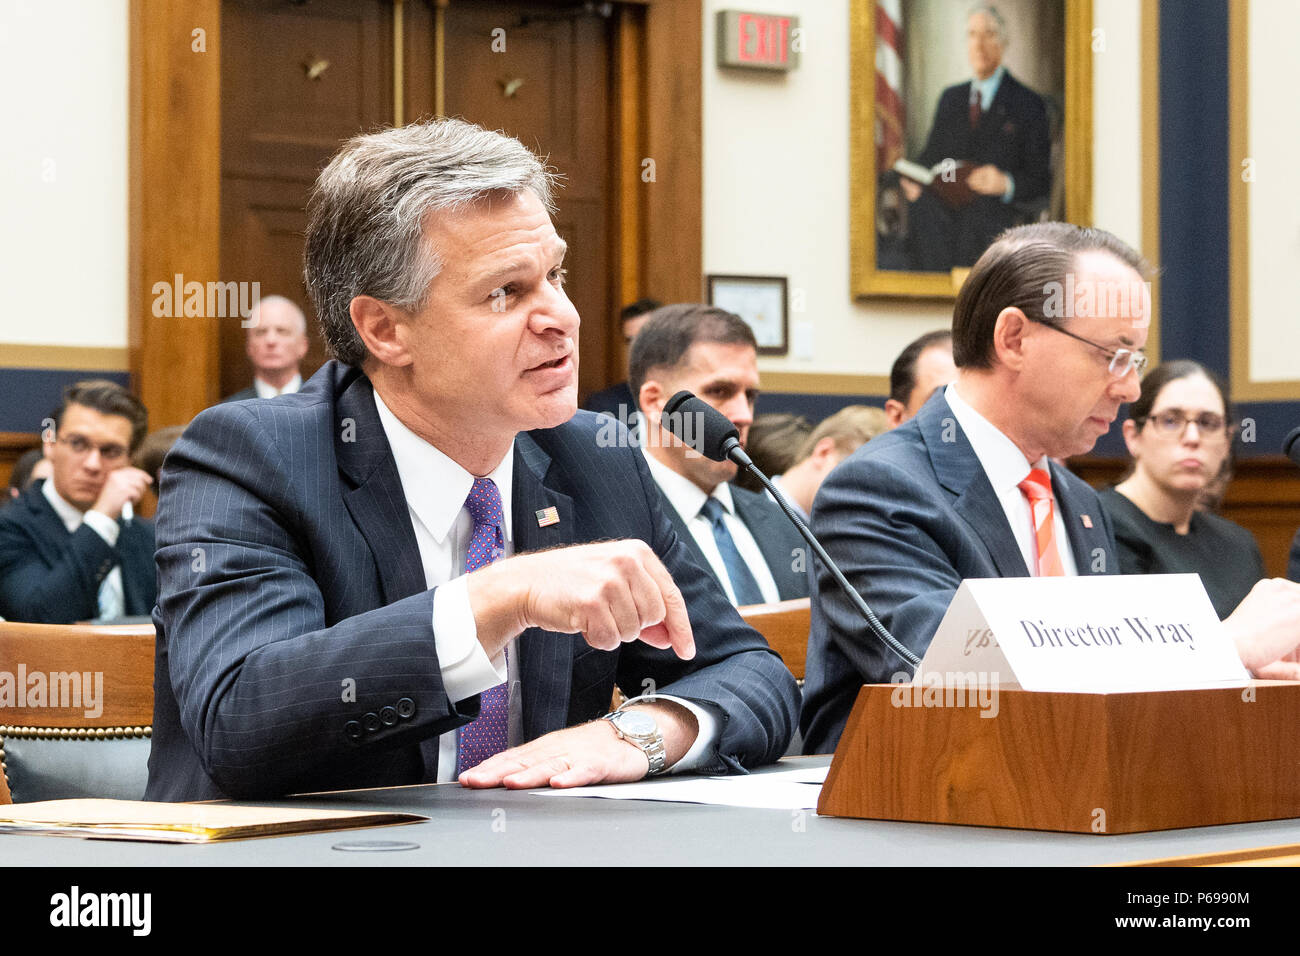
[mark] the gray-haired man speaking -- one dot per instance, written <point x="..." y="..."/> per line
<point x="385" y="579"/>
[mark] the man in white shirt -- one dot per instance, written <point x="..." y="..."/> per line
<point x="740" y="537"/>
<point x="969" y="488"/>
<point x="424" y="566"/>
<point x="277" y="343"/>
<point x="70" y="548"/>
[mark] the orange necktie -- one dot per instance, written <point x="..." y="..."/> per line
<point x="1038" y="489"/>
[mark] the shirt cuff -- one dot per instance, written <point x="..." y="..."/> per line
<point x="1010" y="194"/>
<point x="707" y="717"/>
<point x="466" y="668"/>
<point x="104" y="526"/>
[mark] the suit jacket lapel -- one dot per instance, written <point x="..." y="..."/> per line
<point x="375" y="500"/>
<point x="545" y="657"/>
<point x="1086" y="539"/>
<point x="958" y="470"/>
<point x="769" y="536"/>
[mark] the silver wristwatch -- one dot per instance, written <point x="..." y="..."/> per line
<point x="639" y="728"/>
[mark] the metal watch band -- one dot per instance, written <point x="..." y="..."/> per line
<point x="652" y="745"/>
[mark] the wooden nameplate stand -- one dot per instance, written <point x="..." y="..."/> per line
<point x="1084" y="763"/>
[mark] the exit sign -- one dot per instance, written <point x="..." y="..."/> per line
<point x="757" y="41"/>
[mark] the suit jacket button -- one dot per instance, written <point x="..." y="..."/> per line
<point x="352" y="729"/>
<point x="388" y="715"/>
<point x="406" y="708"/>
<point x="371" y="722"/>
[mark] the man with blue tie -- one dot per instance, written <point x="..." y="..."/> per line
<point x="424" y="566"/>
<point x="742" y="538"/>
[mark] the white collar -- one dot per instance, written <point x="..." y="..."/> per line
<point x="685" y="494"/>
<point x="435" y="486"/>
<point x="1004" y="463"/>
<point x="267" y="390"/>
<point x="68" y="513"/>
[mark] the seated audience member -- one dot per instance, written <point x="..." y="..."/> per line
<point x="618" y="400"/>
<point x="70" y="547"/>
<point x="277" y="343"/>
<point x="31" y="466"/>
<point x="967" y="488"/>
<point x="742" y="538"/>
<point x="924" y="365"/>
<point x="774" y="440"/>
<point x="425" y="566"/>
<point x="837" y="437"/>
<point x="1179" y="433"/>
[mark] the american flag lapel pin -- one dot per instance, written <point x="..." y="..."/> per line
<point x="549" y="516"/>
<point x="1087" y="520"/>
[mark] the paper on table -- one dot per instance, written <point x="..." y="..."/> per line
<point x="785" y="790"/>
<point x="180" y="822"/>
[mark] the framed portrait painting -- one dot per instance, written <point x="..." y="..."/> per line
<point x="967" y="119"/>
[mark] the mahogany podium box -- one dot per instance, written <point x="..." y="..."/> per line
<point x="1077" y="762"/>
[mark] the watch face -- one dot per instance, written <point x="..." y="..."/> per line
<point x="636" y="724"/>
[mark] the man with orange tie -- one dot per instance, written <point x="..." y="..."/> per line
<point x="1048" y="333"/>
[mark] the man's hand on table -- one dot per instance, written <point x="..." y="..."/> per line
<point x="587" y="754"/>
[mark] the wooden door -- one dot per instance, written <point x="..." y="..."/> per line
<point x="296" y="80"/>
<point x="541" y="72"/>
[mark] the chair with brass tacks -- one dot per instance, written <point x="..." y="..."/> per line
<point x="76" y="710"/>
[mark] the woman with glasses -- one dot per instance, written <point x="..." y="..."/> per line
<point x="1179" y="433"/>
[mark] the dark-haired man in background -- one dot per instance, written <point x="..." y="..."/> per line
<point x="923" y="366"/>
<point x="968" y="488"/>
<point x="742" y="537"/>
<point x="70" y="548"/>
<point x="618" y="400"/>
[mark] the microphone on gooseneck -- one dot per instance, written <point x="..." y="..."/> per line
<point x="1291" y="445"/>
<point x="702" y="427"/>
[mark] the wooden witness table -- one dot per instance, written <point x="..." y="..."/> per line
<point x="504" y="828"/>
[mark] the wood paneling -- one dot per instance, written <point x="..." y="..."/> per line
<point x="673" y="250"/>
<point x="174" y="199"/>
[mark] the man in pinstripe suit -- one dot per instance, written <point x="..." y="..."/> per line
<point x="424" y="566"/>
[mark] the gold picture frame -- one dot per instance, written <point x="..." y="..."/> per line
<point x="867" y="279"/>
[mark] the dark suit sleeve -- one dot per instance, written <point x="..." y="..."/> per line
<point x="882" y="527"/>
<point x="1032" y="169"/>
<point x="265" y="686"/>
<point x="60" y="593"/>
<point x="733" y="669"/>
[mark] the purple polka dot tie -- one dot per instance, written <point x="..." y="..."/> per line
<point x="490" y="733"/>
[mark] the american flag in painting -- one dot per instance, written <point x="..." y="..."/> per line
<point x="889" y="83"/>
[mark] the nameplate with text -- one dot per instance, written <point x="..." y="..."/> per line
<point x="1103" y="633"/>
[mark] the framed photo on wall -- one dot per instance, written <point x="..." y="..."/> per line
<point x="761" y="302"/>
<point x="967" y="119"/>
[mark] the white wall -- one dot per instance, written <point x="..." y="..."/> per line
<point x="63" y="172"/>
<point x="776" y="179"/>
<point x="1274" y="201"/>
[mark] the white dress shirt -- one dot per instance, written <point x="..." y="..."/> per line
<point x="104" y="526"/>
<point x="436" y="487"/>
<point x="267" y="390"/>
<point x="688" y="499"/>
<point x="1006" y="466"/>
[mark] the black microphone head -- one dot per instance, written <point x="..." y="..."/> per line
<point x="700" y="426"/>
<point x="1291" y="447"/>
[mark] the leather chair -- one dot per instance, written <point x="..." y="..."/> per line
<point x="784" y="625"/>
<point x="76" y="708"/>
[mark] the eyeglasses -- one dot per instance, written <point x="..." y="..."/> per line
<point x="81" y="446"/>
<point x="1122" y="361"/>
<point x="1172" y="422"/>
